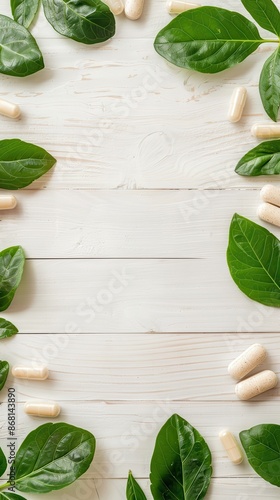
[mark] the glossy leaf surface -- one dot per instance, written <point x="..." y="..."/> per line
<point x="11" y="268"/>
<point x="264" y="159"/>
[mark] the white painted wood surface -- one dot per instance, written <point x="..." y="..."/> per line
<point x="126" y="294"/>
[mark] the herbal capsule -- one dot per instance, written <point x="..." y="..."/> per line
<point x="255" y="385"/>
<point x="265" y="131"/>
<point x="115" y="6"/>
<point x="42" y="409"/>
<point x="177" y="6"/>
<point x="237" y="103"/>
<point x="271" y="194"/>
<point x="133" y="9"/>
<point x="7" y="201"/>
<point x="30" y="373"/>
<point x="269" y="213"/>
<point x="9" y="109"/>
<point x="230" y="445"/>
<point x="247" y="361"/>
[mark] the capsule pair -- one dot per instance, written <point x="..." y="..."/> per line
<point x="133" y="8"/>
<point x="269" y="210"/>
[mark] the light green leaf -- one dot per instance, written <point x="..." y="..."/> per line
<point x="270" y="85"/>
<point x="3" y="461"/>
<point x="11" y="268"/>
<point x="7" y="329"/>
<point x="24" y="11"/>
<point x="264" y="159"/>
<point x="253" y="257"/>
<point x="133" y="490"/>
<point x="4" y="372"/>
<point x="265" y="13"/>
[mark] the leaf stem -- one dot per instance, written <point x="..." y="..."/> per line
<point x="4" y="486"/>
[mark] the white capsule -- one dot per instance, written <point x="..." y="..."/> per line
<point x="40" y="373"/>
<point x="7" y="202"/>
<point x="247" y="361"/>
<point x="265" y="131"/>
<point x="178" y="6"/>
<point x="269" y="213"/>
<point x="9" y="109"/>
<point x="271" y="194"/>
<point x="230" y="445"/>
<point x="255" y="385"/>
<point x="237" y="103"/>
<point x="133" y="9"/>
<point x="115" y="6"/>
<point x="42" y="409"/>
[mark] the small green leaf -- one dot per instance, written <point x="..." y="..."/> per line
<point x="11" y="268"/>
<point x="24" y="11"/>
<point x="133" y="490"/>
<point x="22" y="163"/>
<point x="4" y="372"/>
<point x="269" y="85"/>
<point x="52" y="457"/>
<point x="253" y="257"/>
<point x="262" y="446"/>
<point x="86" y="21"/>
<point x="264" y="159"/>
<point x="10" y="496"/>
<point x="265" y="13"/>
<point x="208" y="39"/>
<point x="181" y="463"/>
<point x="3" y="463"/>
<point x="19" y="54"/>
<point x="7" y="329"/>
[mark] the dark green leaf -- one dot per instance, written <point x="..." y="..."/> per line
<point x="11" y="268"/>
<point x="52" y="457"/>
<point x="3" y="461"/>
<point x="24" y="11"/>
<point x="270" y="85"/>
<point x="253" y="257"/>
<point x="21" y="163"/>
<point x="181" y="463"/>
<point x="264" y="159"/>
<point x="86" y="21"/>
<point x="4" y="372"/>
<point x="133" y="490"/>
<point x="265" y="13"/>
<point x="208" y="39"/>
<point x="19" y="54"/>
<point x="10" y="496"/>
<point x="262" y="446"/>
<point x="7" y="329"/>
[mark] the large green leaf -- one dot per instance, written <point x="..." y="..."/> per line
<point x="269" y="85"/>
<point x="208" y="39"/>
<point x="7" y="329"/>
<point x="265" y="13"/>
<point x="253" y="257"/>
<point x="264" y="159"/>
<point x="52" y="457"/>
<point x="262" y="446"/>
<point x="3" y="463"/>
<point x="4" y="495"/>
<point x="19" y="52"/>
<point x="24" y="11"/>
<point x="86" y="21"/>
<point x="4" y="372"/>
<point x="21" y="163"/>
<point x="181" y="463"/>
<point x="11" y="268"/>
<point x="133" y="490"/>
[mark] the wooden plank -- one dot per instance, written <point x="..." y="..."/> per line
<point x="189" y="367"/>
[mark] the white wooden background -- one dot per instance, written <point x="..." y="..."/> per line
<point x="126" y="293"/>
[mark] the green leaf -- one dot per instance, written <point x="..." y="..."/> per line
<point x="19" y="54"/>
<point x="24" y="11"/>
<point x="3" y="462"/>
<point x="133" y="490"/>
<point x="262" y="446"/>
<point x="208" y="39"/>
<point x="11" y="268"/>
<point x="181" y="463"/>
<point x="52" y="457"/>
<point x="86" y="21"/>
<point x="4" y="372"/>
<point x="7" y="329"/>
<point x="269" y="85"/>
<point x="265" y="13"/>
<point x="10" y="496"/>
<point x="264" y="159"/>
<point x="21" y="163"/>
<point x="253" y="257"/>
